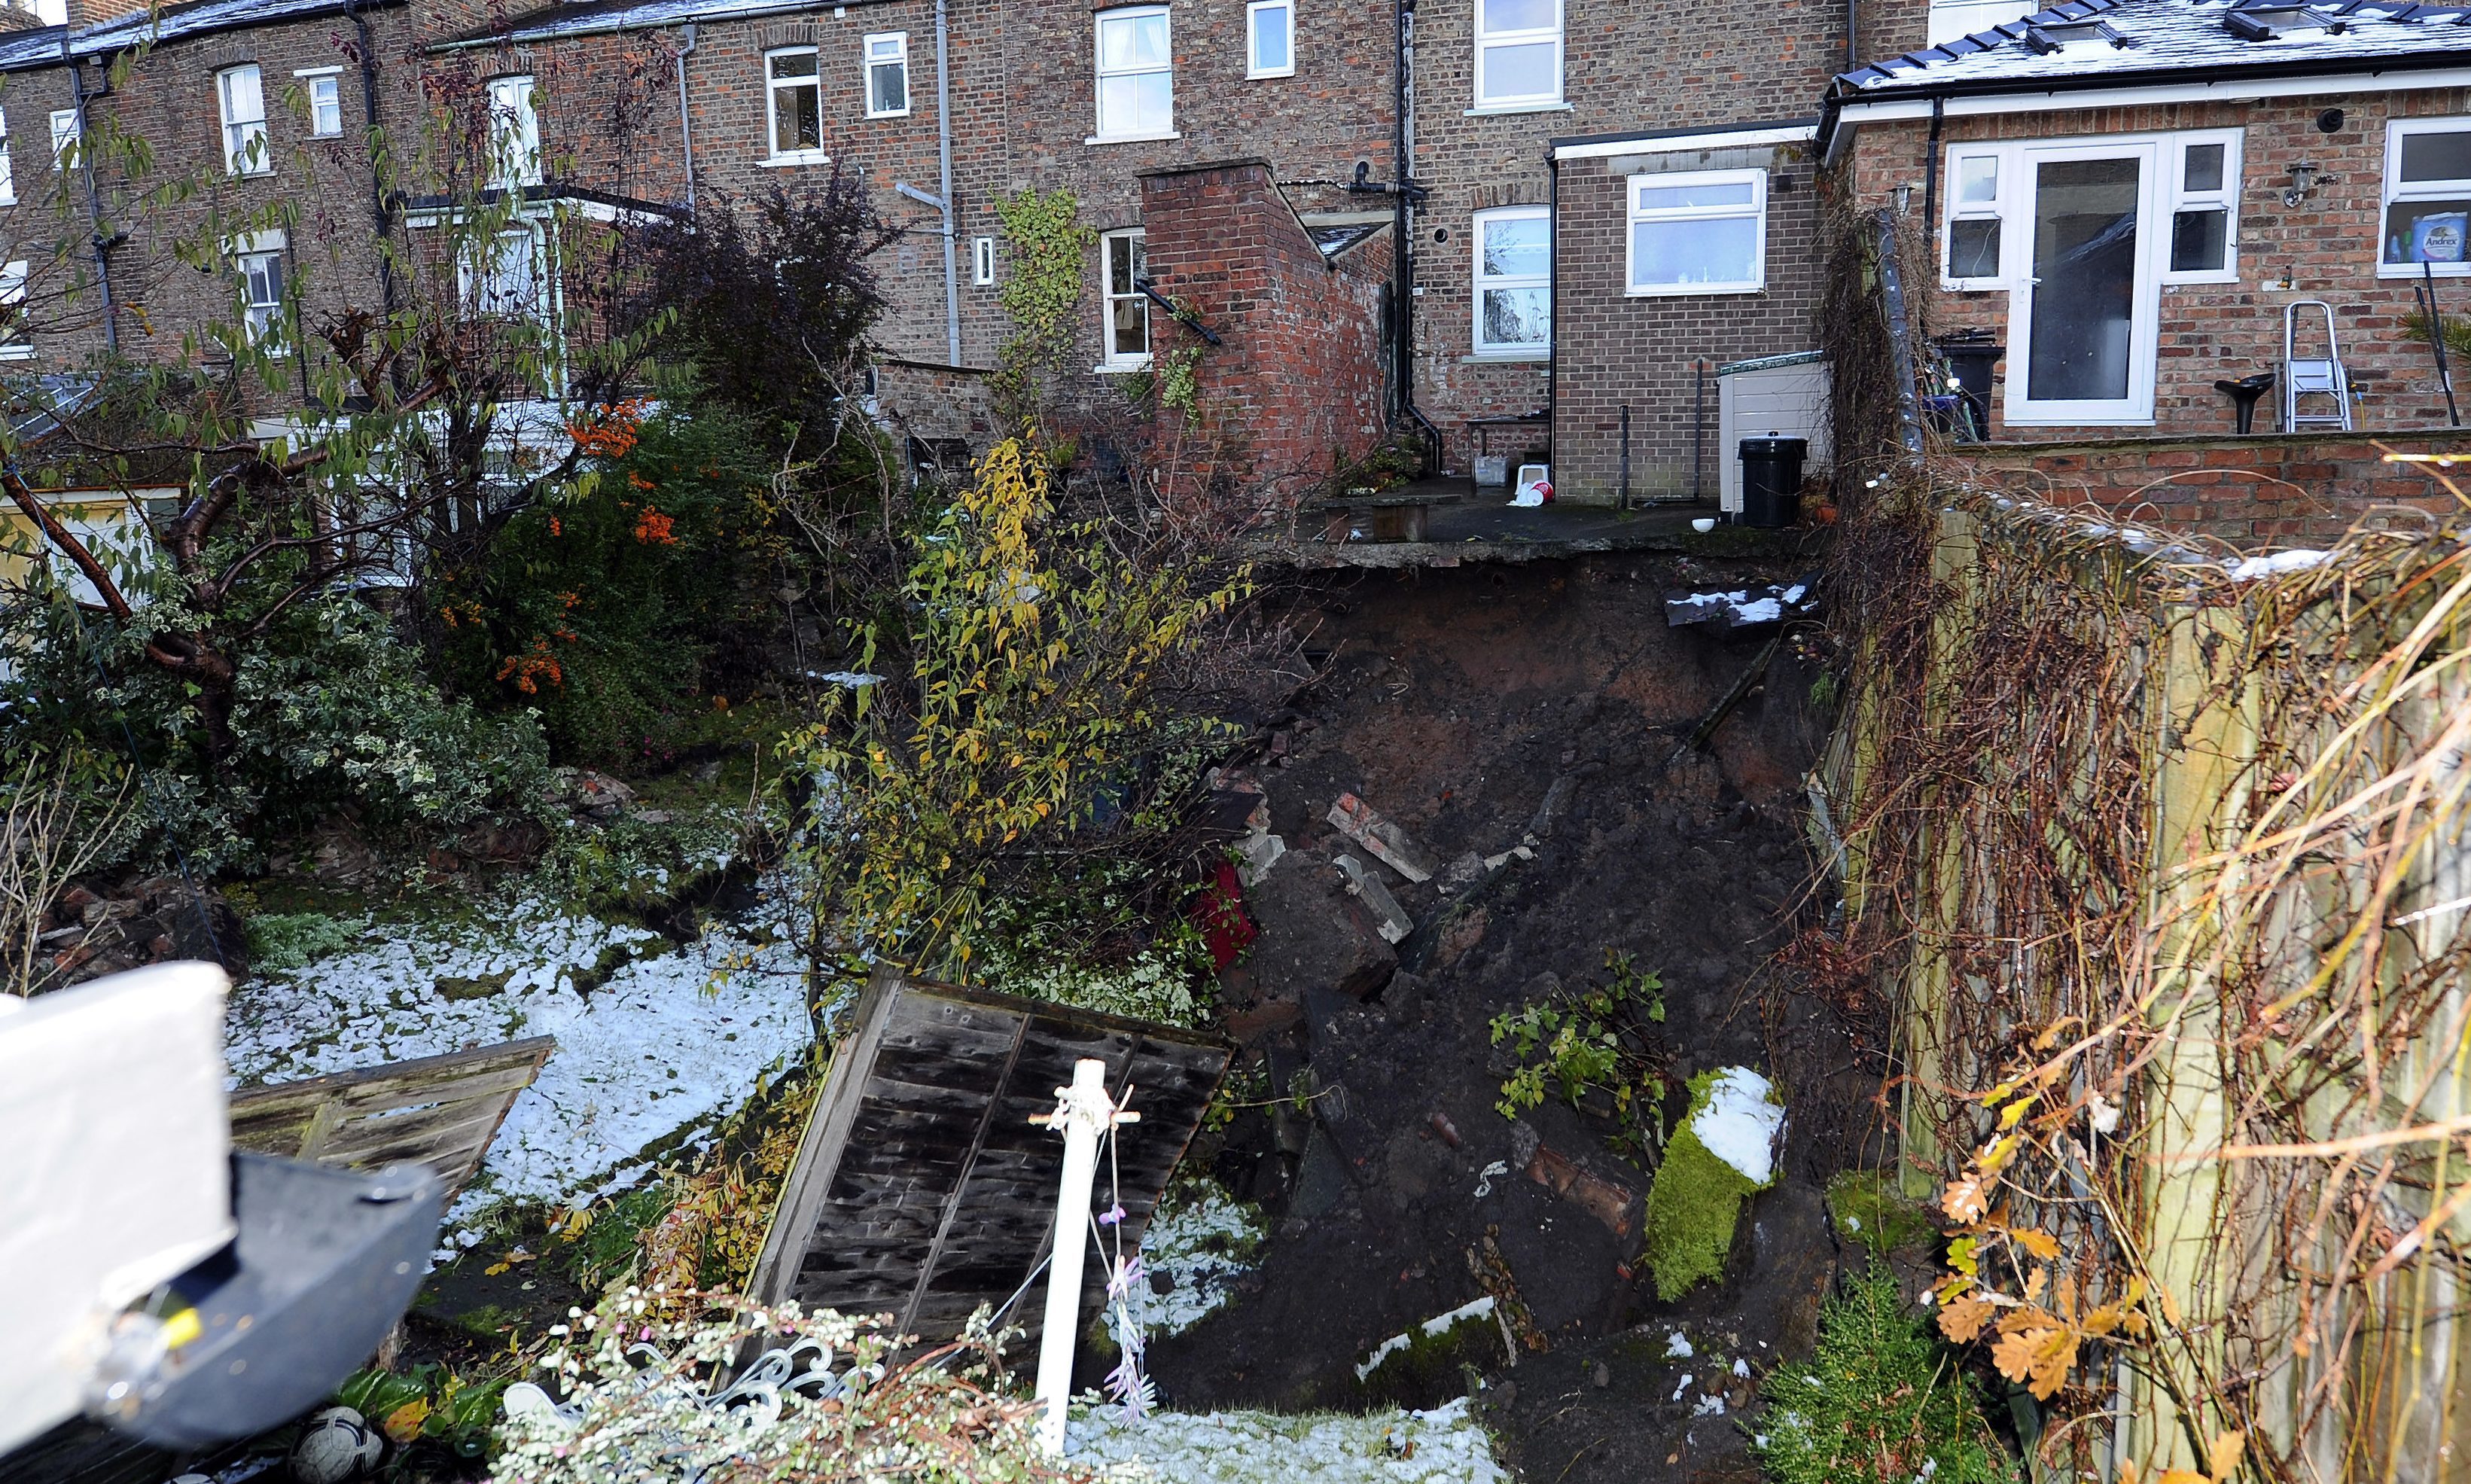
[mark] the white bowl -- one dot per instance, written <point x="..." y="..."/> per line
<point x="1703" y="524"/>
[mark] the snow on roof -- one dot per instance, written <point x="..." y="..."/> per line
<point x="592" y="17"/>
<point x="2115" y="42"/>
<point x="175" y="22"/>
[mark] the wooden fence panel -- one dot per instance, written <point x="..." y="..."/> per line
<point x="439" y="1111"/>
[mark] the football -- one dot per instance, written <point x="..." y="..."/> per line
<point x="334" y="1445"/>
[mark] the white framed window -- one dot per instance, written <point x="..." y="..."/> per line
<point x="888" y="75"/>
<point x="1975" y="236"/>
<point x="15" y="343"/>
<point x="1985" y="229"/>
<point x="514" y="131"/>
<point x="1126" y="329"/>
<point x="64" y="136"/>
<point x="258" y="262"/>
<point x="240" y="92"/>
<point x="1702" y="231"/>
<point x="324" y="86"/>
<point x="8" y="172"/>
<point x="1518" y="54"/>
<point x="2427" y="199"/>
<point x="1135" y="69"/>
<point x="2200" y="179"/>
<point x="983" y="260"/>
<point x="1514" y="281"/>
<point x="1270" y="39"/>
<point x="503" y="276"/>
<point x="794" y="103"/>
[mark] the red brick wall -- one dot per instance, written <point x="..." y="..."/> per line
<point x="2325" y="249"/>
<point x="1616" y="349"/>
<point x="1298" y="382"/>
<point x="2303" y="489"/>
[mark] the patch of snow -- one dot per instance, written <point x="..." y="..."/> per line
<point x="1794" y="593"/>
<point x="2251" y="567"/>
<point x="1710" y="1406"/>
<point x="671" y="1040"/>
<point x="1739" y="1124"/>
<point x="1683" y="1385"/>
<point x="1741" y="1368"/>
<point x="1439" y="1324"/>
<point x="1767" y="610"/>
<point x="1677" y="1346"/>
<point x="1205" y="1243"/>
<point x="1445" y="1446"/>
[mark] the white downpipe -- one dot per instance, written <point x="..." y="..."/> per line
<point x="1082" y="1113"/>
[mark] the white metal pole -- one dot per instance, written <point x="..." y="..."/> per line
<point x="1082" y="1112"/>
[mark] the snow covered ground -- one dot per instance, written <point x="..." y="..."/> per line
<point x="669" y="1041"/>
<point x="1203" y="1239"/>
<point x="1445" y="1446"/>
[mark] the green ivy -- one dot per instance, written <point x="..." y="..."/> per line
<point x="1179" y="382"/>
<point x="1040" y="290"/>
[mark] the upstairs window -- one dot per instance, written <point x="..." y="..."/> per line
<point x="259" y="260"/>
<point x="1126" y="330"/>
<point x="64" y="136"/>
<point x="795" y="99"/>
<point x="983" y="260"/>
<point x="1699" y="232"/>
<point x="888" y="75"/>
<point x="7" y="175"/>
<point x="242" y="95"/>
<point x="16" y="344"/>
<point x="1514" y="281"/>
<point x="1136" y="75"/>
<point x="1518" y="54"/>
<point x="1270" y="39"/>
<point x="324" y="86"/>
<point x="2428" y="198"/>
<point x="514" y="133"/>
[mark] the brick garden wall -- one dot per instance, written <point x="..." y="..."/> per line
<point x="2327" y="248"/>
<point x="1616" y="349"/>
<point x="1298" y="384"/>
<point x="2303" y="489"/>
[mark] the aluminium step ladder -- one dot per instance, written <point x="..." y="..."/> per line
<point x="2313" y="376"/>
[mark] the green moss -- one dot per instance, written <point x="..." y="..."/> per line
<point x="1428" y="1368"/>
<point x="1692" y="1206"/>
<point x="1878" y="1401"/>
<point x="1869" y="1211"/>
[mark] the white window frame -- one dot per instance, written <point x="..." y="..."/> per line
<point x="247" y="149"/>
<point x="1486" y="40"/>
<point x="475" y="276"/>
<point x="325" y="89"/>
<point x="514" y="130"/>
<point x="773" y="88"/>
<point x="65" y="134"/>
<point x="983" y="260"/>
<point x="2003" y="190"/>
<point x="1478" y="282"/>
<point x="1632" y="214"/>
<point x="2397" y="130"/>
<point x="896" y="54"/>
<point x="1110" y="359"/>
<point x="7" y="165"/>
<point x="1252" y="13"/>
<point x="18" y="345"/>
<point x="262" y="318"/>
<point x="2018" y="407"/>
<point x="2177" y="198"/>
<point x="1099" y="74"/>
<point x="2169" y="197"/>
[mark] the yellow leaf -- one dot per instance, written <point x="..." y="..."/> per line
<point x="496" y="1268"/>
<point x="2225" y="1455"/>
<point x="2039" y="1357"/>
<point x="1963" y="1200"/>
<point x="403" y="1424"/>
<point x="2014" y="1113"/>
<point x="2171" y="1314"/>
<point x="2041" y="1244"/>
<point x="2181" y="1477"/>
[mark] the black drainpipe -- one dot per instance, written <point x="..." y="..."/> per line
<point x="1852" y="31"/>
<point x="93" y="197"/>
<point x="377" y="185"/>
<point x="1402" y="260"/>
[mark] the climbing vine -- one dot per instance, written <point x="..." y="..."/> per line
<point x="1179" y="382"/>
<point x="1048" y="239"/>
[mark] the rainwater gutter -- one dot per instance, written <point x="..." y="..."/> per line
<point x="1930" y="182"/>
<point x="93" y="197"/>
<point x="377" y="184"/>
<point x="686" y="118"/>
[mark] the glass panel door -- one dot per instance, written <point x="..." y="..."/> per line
<point x="2090" y="301"/>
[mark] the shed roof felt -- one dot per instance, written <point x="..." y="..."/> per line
<point x="2117" y="43"/>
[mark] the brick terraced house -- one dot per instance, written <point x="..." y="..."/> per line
<point x="2136" y="201"/>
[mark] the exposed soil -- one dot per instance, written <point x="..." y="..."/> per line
<point x="1455" y="701"/>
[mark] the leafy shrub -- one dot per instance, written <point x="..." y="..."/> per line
<point x="427" y="1408"/>
<point x="291" y="940"/>
<point x="1880" y="1402"/>
<point x="329" y="712"/>
<point x="1594" y="1043"/>
<point x="626" y="606"/>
